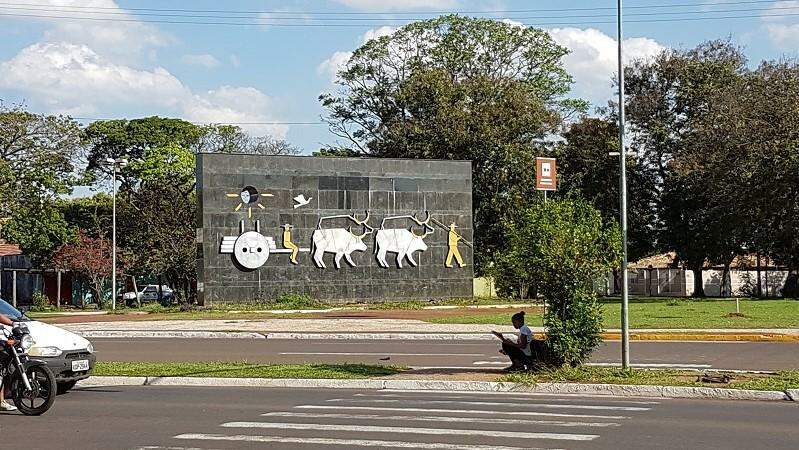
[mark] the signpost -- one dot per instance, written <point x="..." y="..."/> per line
<point x="546" y="175"/>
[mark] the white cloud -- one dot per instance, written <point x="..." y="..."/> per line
<point x="228" y="104"/>
<point x="117" y="40"/>
<point x="782" y="31"/>
<point x="331" y="66"/>
<point x="593" y="59"/>
<point x="202" y="60"/>
<point x="69" y="77"/>
<point x="73" y="79"/>
<point x="338" y="60"/>
<point x="386" y="5"/>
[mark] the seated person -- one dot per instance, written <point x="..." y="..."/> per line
<point x="518" y="351"/>
<point x="4" y="406"/>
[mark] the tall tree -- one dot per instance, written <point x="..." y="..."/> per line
<point x="586" y="169"/>
<point x="458" y="88"/>
<point x="667" y="98"/>
<point x="37" y="156"/>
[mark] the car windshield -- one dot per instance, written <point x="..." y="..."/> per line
<point x="10" y="312"/>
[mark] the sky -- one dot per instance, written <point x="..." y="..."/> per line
<point x="100" y="59"/>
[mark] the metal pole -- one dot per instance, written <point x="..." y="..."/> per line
<point x="14" y="288"/>
<point x="58" y="289"/>
<point x="625" y="322"/>
<point x="114" y="241"/>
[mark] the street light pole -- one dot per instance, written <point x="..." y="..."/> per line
<point x="625" y="322"/>
<point x="115" y="164"/>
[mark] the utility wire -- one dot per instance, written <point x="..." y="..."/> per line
<point x="394" y="13"/>
<point x="306" y="18"/>
<point x="376" y="24"/>
<point x="94" y="119"/>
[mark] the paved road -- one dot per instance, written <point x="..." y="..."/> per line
<point x="425" y="354"/>
<point x="159" y="417"/>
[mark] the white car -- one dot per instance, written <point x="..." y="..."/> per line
<point x="69" y="356"/>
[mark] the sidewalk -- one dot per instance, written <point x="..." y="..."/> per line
<point x="395" y="329"/>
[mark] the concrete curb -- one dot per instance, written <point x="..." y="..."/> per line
<point x="172" y="334"/>
<point x="612" y="390"/>
<point x="398" y="336"/>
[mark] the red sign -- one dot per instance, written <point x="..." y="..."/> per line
<point x="546" y="178"/>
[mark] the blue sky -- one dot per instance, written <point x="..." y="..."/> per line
<point x="266" y="73"/>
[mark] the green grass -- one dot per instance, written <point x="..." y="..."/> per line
<point x="242" y="370"/>
<point x="673" y="313"/>
<point x="600" y="375"/>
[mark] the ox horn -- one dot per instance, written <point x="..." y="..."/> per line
<point x="365" y="232"/>
<point x="422" y="222"/>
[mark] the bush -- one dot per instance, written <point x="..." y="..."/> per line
<point x="40" y="302"/>
<point x="561" y="247"/>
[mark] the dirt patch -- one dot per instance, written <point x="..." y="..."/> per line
<point x="735" y="314"/>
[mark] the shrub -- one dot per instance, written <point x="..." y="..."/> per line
<point x="561" y="247"/>
<point x="39" y="302"/>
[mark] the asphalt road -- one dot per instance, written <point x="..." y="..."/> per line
<point x="442" y="354"/>
<point x="158" y="417"/>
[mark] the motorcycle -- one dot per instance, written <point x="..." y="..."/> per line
<point x="28" y="382"/>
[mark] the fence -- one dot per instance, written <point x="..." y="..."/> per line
<point x="680" y="283"/>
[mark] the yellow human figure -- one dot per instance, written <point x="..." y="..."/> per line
<point x="288" y="244"/>
<point x="452" y="241"/>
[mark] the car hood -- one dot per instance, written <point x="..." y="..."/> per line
<point x="46" y="335"/>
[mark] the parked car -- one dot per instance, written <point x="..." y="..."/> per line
<point x="149" y="294"/>
<point x="70" y="357"/>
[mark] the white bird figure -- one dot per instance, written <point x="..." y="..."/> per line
<point x="301" y="200"/>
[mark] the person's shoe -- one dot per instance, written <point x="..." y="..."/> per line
<point x="7" y="407"/>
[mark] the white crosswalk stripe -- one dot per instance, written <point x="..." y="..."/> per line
<point x="426" y="420"/>
<point x="462" y="411"/>
<point x="483" y="420"/>
<point x="537" y="405"/>
<point x="348" y="442"/>
<point x="410" y="430"/>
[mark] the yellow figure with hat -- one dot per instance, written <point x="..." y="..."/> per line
<point x="452" y="241"/>
<point x="288" y="244"/>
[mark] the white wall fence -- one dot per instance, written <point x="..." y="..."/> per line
<point x="680" y="283"/>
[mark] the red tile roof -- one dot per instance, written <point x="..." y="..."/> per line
<point x="10" y="250"/>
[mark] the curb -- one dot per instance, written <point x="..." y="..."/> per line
<point x="614" y="390"/>
<point x="730" y="337"/>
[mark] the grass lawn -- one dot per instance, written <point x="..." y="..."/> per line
<point x="242" y="370"/>
<point x="682" y="313"/>
<point x="788" y="379"/>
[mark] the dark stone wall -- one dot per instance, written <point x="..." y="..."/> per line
<point x="384" y="187"/>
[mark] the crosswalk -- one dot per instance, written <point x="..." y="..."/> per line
<point x="424" y="420"/>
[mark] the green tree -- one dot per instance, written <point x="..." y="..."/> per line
<point x="37" y="154"/>
<point x="667" y="98"/>
<point x="586" y="169"/>
<point x="562" y="246"/>
<point x="458" y="88"/>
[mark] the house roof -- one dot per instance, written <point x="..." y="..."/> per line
<point x="670" y="261"/>
<point x="9" y="249"/>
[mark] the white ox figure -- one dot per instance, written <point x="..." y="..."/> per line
<point x="401" y="241"/>
<point x="342" y="242"/>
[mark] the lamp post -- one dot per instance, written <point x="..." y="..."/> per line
<point x="625" y="322"/>
<point x="115" y="164"/>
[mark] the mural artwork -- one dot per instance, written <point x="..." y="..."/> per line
<point x="401" y="241"/>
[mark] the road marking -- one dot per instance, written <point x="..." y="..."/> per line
<point x="490" y="363"/>
<point x="152" y="447"/>
<point x="345" y="442"/>
<point x="510" y="396"/>
<point x="537" y="405"/>
<point x="408" y="430"/>
<point x="556" y="423"/>
<point x="460" y="411"/>
<point x="379" y="354"/>
<point x="530" y="394"/>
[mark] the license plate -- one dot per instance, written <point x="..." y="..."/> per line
<point x="80" y="365"/>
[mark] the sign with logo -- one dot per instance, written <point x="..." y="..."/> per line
<point x="546" y="178"/>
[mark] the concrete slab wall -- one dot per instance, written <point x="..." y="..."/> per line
<point x="336" y="186"/>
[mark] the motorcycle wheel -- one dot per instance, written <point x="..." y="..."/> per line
<point x="41" y="395"/>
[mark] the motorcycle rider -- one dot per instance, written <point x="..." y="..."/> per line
<point x="3" y="405"/>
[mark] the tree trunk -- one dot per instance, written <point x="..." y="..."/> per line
<point x="699" y="287"/>
<point x="759" y="291"/>
<point x="724" y="291"/>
